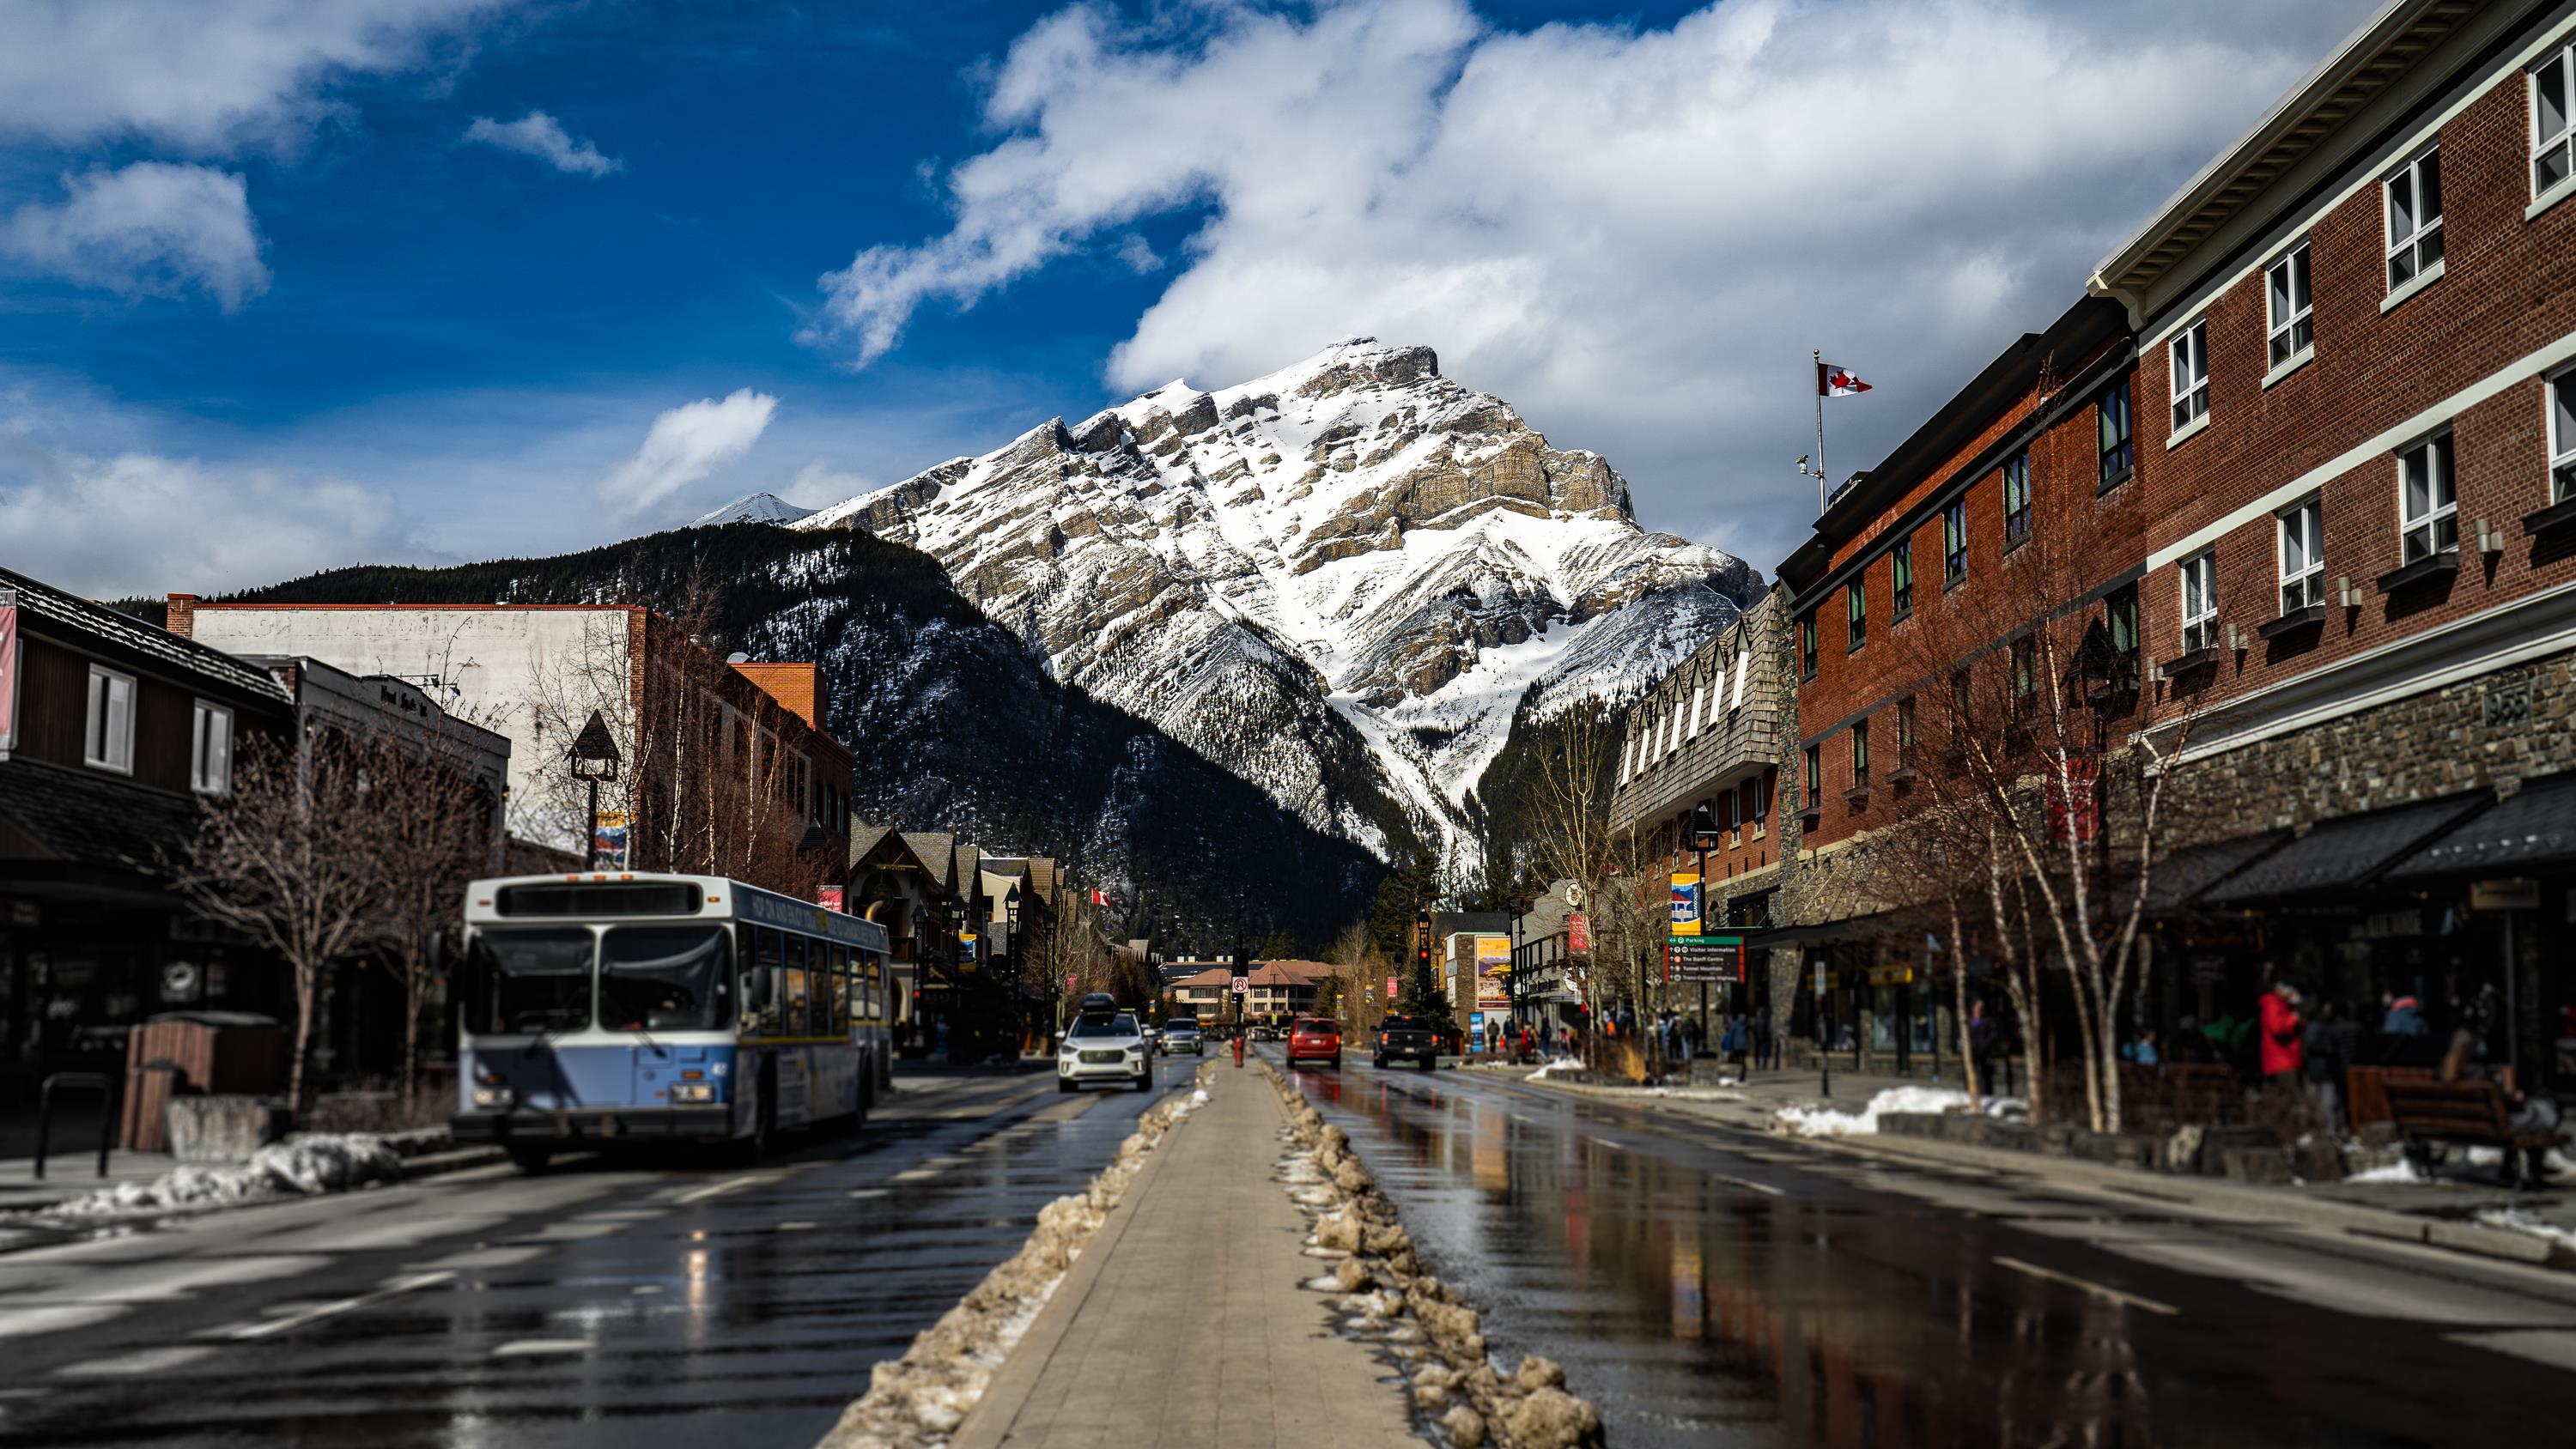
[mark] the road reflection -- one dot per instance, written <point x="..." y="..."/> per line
<point x="1700" y="1310"/>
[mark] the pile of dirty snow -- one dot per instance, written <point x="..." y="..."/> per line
<point x="2522" y="1220"/>
<point x="1554" y="1065"/>
<point x="300" y="1166"/>
<point x="1826" y="1122"/>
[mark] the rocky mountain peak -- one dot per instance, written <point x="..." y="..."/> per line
<point x="1339" y="580"/>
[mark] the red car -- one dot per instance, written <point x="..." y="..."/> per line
<point x="1313" y="1039"/>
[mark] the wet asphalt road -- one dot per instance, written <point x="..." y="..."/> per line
<point x="607" y="1302"/>
<point x="1716" y="1287"/>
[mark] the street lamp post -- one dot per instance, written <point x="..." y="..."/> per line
<point x="593" y="758"/>
<point x="1703" y="832"/>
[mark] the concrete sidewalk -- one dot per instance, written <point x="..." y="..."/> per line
<point x="1184" y="1324"/>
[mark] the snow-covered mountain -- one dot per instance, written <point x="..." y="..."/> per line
<point x="1340" y="581"/>
<point x="757" y="508"/>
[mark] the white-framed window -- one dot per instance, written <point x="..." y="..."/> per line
<point x="210" y="750"/>
<point x="2562" y="436"/>
<point x="110" y="741"/>
<point x="2290" y="308"/>
<point x="2189" y="352"/>
<point x="2303" y="558"/>
<point x="2428" y="503"/>
<point x="2414" y="217"/>
<point x="2200" y="602"/>
<point x="2553" y="119"/>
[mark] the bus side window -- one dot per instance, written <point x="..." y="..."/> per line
<point x="840" y="990"/>
<point x="799" y="998"/>
<point x="764" y="969"/>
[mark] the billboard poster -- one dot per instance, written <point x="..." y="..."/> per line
<point x="1494" y="973"/>
<point x="608" y="841"/>
<point x="1685" y="904"/>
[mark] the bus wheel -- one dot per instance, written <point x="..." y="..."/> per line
<point x="528" y="1157"/>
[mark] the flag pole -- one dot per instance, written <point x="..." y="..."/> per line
<point x="1821" y="485"/>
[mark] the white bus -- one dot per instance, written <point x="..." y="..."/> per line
<point x="606" y="1009"/>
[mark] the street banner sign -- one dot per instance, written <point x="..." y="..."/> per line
<point x="828" y="897"/>
<point x="608" y="842"/>
<point x="1685" y="904"/>
<point x="8" y="674"/>
<point x="1494" y="973"/>
<point x="1704" y="958"/>
<point x="2071" y="812"/>
<point x="1390" y="988"/>
<point x="1578" y="932"/>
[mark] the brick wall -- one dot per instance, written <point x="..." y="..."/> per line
<point x="2504" y="294"/>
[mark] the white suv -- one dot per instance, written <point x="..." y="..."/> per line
<point x="1104" y="1049"/>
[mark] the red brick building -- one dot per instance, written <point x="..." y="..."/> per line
<point x="2358" y="478"/>
<point x="2017" y="498"/>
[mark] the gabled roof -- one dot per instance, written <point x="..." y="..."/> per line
<point x="129" y="634"/>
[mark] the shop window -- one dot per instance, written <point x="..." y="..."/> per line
<point x="2112" y="426"/>
<point x="2302" y="556"/>
<point x="2428" y="507"/>
<point x="210" y="752"/>
<point x="2289" y="307"/>
<point x="110" y="740"/>
<point x="2016" y="480"/>
<point x="2188" y="356"/>
<point x="2200" y="602"/>
<point x="2414" y="194"/>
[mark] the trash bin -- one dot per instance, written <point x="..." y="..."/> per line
<point x="221" y="1052"/>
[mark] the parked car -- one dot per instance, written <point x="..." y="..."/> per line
<point x="1408" y="1039"/>
<point x="1315" y="1039"/>
<point x="1182" y="1035"/>
<point x="1104" y="1047"/>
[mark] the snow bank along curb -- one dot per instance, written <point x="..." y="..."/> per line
<point x="918" y="1400"/>
<point x="301" y="1166"/>
<point x="1419" y="1320"/>
<point x="1826" y="1122"/>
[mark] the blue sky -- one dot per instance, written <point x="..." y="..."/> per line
<point x="287" y="284"/>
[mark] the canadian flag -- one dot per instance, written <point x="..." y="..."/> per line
<point x="1099" y="897"/>
<point x="1832" y="381"/>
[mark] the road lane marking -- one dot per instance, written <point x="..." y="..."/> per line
<point x="2111" y="1295"/>
<point x="866" y="1192"/>
<point x="143" y="1361"/>
<point x="416" y="1281"/>
<point x="1762" y="1187"/>
<point x="916" y="1174"/>
<point x="1606" y="1142"/>
<point x="714" y="1189"/>
<point x="531" y="1347"/>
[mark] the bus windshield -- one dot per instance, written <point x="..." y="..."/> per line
<point x="664" y="978"/>
<point x="530" y="980"/>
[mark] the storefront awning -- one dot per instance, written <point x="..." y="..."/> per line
<point x="2183" y="875"/>
<point x="2341" y="854"/>
<point x="2534" y="830"/>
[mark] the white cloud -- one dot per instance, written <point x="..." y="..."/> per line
<point x="542" y="136"/>
<point x="1634" y="234"/>
<point x="685" y="445"/>
<point x="209" y="76"/>
<point x="820" y="485"/>
<point x="142" y="523"/>
<point x="150" y="228"/>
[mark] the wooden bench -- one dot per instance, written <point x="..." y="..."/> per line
<point x="2467" y="1114"/>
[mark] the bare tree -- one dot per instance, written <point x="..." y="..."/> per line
<point x="2042" y="793"/>
<point x="1575" y="838"/>
<point x="430" y="832"/>
<point x="284" y="858"/>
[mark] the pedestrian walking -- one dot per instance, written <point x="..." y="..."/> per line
<point x="2278" y="1023"/>
<point x="1982" y="1038"/>
<point x="2325" y="1047"/>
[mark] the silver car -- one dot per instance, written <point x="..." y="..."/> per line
<point x="1101" y="1048"/>
<point x="1183" y="1036"/>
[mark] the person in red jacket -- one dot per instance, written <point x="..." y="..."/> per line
<point x="2279" y="1021"/>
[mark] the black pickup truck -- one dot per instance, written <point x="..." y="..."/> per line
<point x="1407" y="1038"/>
